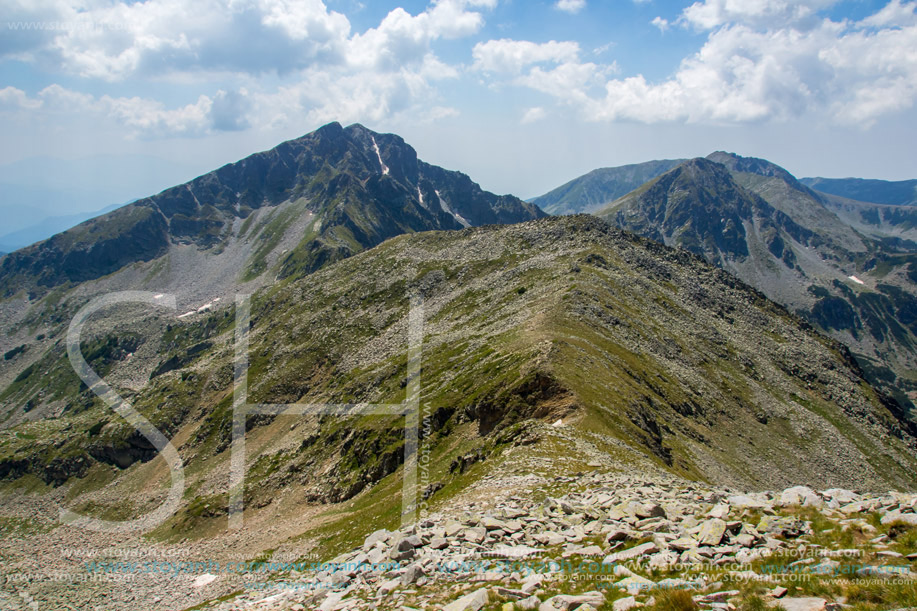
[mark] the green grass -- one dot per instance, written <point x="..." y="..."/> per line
<point x="674" y="600"/>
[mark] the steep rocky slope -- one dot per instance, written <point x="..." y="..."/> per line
<point x="756" y="220"/>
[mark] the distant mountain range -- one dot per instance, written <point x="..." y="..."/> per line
<point x="848" y="267"/>
<point x="594" y="190"/>
<point x="46" y="228"/>
<point x="35" y="191"/>
<point x="893" y="193"/>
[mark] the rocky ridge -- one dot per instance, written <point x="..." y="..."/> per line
<point x="530" y="532"/>
<point x="615" y="541"/>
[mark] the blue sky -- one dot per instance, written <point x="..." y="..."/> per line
<point x="522" y="96"/>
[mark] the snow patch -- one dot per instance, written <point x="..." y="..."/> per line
<point x="855" y="279"/>
<point x="379" y="155"/>
<point x="203" y="580"/>
<point x="448" y="210"/>
<point x="207" y="306"/>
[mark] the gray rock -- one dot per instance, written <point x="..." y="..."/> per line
<point x="886" y="572"/>
<point x="473" y="601"/>
<point x="623" y="604"/>
<point x="389" y="586"/>
<point x="778" y="592"/>
<point x="649" y="510"/>
<point x="532" y="583"/>
<point x="510" y="593"/>
<point x="567" y="602"/>
<point x="630" y="554"/>
<point x="636" y="584"/>
<point x="743" y="501"/>
<point x="715" y="597"/>
<point x="532" y="602"/>
<point x="682" y="544"/>
<point x="744" y="540"/>
<point x="711" y="532"/>
<point x="618" y="534"/>
<point x="663" y="560"/>
<point x="719" y="511"/>
<point x="411" y="574"/>
<point x="377" y="537"/>
<point x="800" y="495"/>
<point x="896" y="516"/>
<point x="841" y="495"/>
<point x="493" y="524"/>
<point x="438" y="543"/>
<point x="474" y="535"/>
<point x="800" y="604"/>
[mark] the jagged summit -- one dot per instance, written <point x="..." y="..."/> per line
<point x="289" y="210"/>
<point x="752" y="165"/>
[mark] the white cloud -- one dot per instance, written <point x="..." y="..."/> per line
<point x="13" y="99"/>
<point x="402" y="38"/>
<point x="150" y="119"/>
<point x="511" y="56"/>
<point x="230" y="110"/>
<point x="570" y="6"/>
<point x="710" y="14"/>
<point x="534" y="114"/>
<point x="845" y="72"/>
<point x="569" y="80"/>
<point x="893" y="14"/>
<point x="173" y="38"/>
<point x="326" y="72"/>
<point x="114" y="40"/>
<point x="322" y="96"/>
<point x="139" y="117"/>
<point x="662" y="24"/>
<point x="55" y="98"/>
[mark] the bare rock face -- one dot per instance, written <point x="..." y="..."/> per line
<point x="802" y="248"/>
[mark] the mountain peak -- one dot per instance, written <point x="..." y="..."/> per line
<point x="331" y="130"/>
<point x="346" y="189"/>
<point x="752" y="165"/>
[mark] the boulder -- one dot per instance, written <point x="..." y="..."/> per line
<point x="711" y="532"/>
<point x="808" y="603"/>
<point x="470" y="602"/>
<point x="630" y="554"/>
<point x="568" y="602"/>
<point x="624" y="604"/>
<point x="800" y="495"/>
